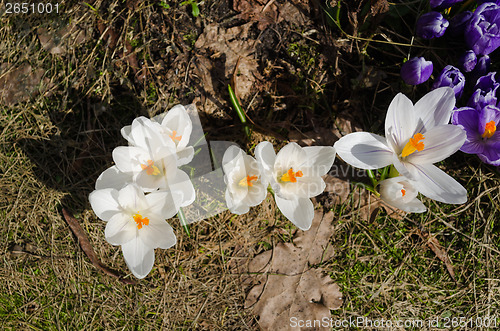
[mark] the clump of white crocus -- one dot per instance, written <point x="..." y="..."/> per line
<point x="400" y="192"/>
<point x="151" y="162"/>
<point x="416" y="136"/>
<point x="295" y="176"/>
<point x="245" y="185"/>
<point x="136" y="222"/>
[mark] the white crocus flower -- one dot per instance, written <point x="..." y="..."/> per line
<point x="295" y="176"/>
<point x="246" y="187"/>
<point x="400" y="192"/>
<point x="152" y="164"/>
<point x="416" y="136"/>
<point x="177" y="126"/>
<point x="136" y="222"/>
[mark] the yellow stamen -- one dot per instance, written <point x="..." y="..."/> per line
<point x="247" y="181"/>
<point x="150" y="168"/>
<point x="403" y="191"/>
<point x="140" y="220"/>
<point x="413" y="145"/>
<point x="173" y="136"/>
<point x="290" y="176"/>
<point x="489" y="129"/>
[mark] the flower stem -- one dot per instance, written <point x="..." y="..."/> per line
<point x="372" y="178"/>
<point x="384" y="173"/>
<point x="239" y="110"/>
<point x="183" y="220"/>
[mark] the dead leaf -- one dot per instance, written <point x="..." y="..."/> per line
<point x="263" y="12"/>
<point x="222" y="50"/>
<point x="86" y="246"/>
<point x="439" y="250"/>
<point x="19" y="84"/>
<point x="59" y="39"/>
<point x="286" y="284"/>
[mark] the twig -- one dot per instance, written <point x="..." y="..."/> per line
<point x="89" y="251"/>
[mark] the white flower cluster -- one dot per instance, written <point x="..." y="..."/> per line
<point x="145" y="186"/>
<point x="416" y="137"/>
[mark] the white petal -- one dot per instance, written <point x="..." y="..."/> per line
<point x="319" y="160"/>
<point x="132" y="199"/>
<point x="364" y="150"/>
<point x="185" y="155"/>
<point x="231" y="155"/>
<point x="182" y="184"/>
<point x="158" y="234"/>
<point x="145" y="133"/>
<point x="305" y="187"/>
<point x="163" y="203"/>
<point x="120" y="229"/>
<point x="265" y="155"/>
<point x="435" y="108"/>
<point x="178" y="119"/>
<point x="439" y="143"/>
<point x="413" y="206"/>
<point x="128" y="158"/>
<point x="400" y="121"/>
<point x="436" y="184"/>
<point x="113" y="178"/>
<point x="125" y="131"/>
<point x="299" y="211"/>
<point x="139" y="257"/>
<point x="290" y="156"/>
<point x="235" y="208"/>
<point x="105" y="203"/>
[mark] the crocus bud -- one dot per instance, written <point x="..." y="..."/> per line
<point x="482" y="66"/>
<point x="482" y="32"/>
<point x="443" y="4"/>
<point x="485" y="92"/>
<point x="452" y="77"/>
<point x="416" y="71"/>
<point x="467" y="61"/>
<point x="431" y="25"/>
<point x="458" y="23"/>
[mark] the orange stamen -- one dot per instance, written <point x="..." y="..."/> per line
<point x="413" y="145"/>
<point x="247" y="181"/>
<point x="403" y="191"/>
<point x="150" y="168"/>
<point x="140" y="220"/>
<point x="290" y="176"/>
<point x="489" y="129"/>
<point x="173" y="136"/>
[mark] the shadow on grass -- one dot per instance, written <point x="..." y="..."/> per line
<point x="72" y="159"/>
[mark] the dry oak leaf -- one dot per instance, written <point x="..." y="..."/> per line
<point x="287" y="285"/>
<point x="234" y="46"/>
<point x="20" y="83"/>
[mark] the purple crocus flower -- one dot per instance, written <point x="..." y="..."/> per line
<point x="483" y="138"/>
<point x="482" y="32"/>
<point x="479" y="2"/>
<point x="485" y="92"/>
<point x="452" y="77"/>
<point x="416" y="70"/>
<point x="458" y="23"/>
<point x="431" y="25"/>
<point x="482" y="66"/>
<point x="443" y="4"/>
<point x="467" y="61"/>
